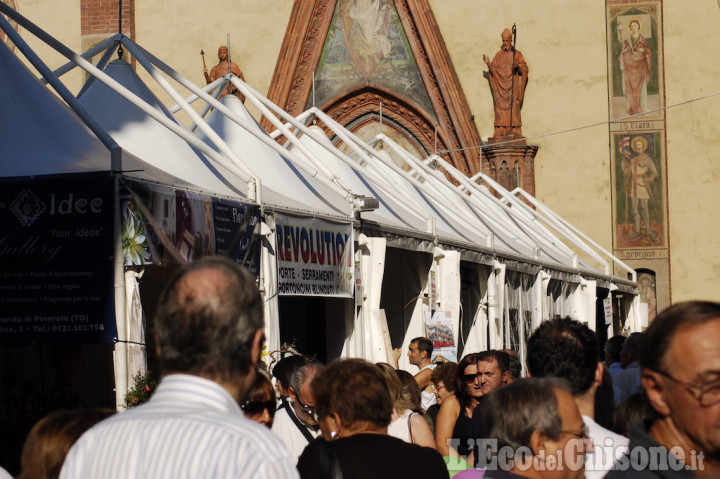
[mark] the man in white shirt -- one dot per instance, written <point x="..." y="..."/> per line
<point x="209" y="332"/>
<point x="568" y="349"/>
<point x="420" y="355"/>
<point x="295" y="422"/>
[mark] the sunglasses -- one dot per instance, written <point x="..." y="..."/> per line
<point x="257" y="407"/>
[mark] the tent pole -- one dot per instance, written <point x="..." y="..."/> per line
<point x="120" y="354"/>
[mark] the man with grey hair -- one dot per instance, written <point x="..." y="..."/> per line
<point x="295" y="422"/>
<point x="535" y="429"/>
<point x="680" y="371"/>
<point x="209" y="334"/>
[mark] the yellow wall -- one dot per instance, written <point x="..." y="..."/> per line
<point x="693" y="131"/>
<point x="45" y="15"/>
<point x="256" y="34"/>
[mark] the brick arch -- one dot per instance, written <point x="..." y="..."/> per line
<point x="365" y="102"/>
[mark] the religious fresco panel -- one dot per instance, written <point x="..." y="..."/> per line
<point x="639" y="190"/>
<point x="366" y="44"/>
<point x="635" y="60"/>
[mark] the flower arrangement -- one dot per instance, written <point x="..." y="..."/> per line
<point x="144" y="387"/>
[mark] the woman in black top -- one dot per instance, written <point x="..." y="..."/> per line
<point x="353" y="407"/>
<point x="453" y="426"/>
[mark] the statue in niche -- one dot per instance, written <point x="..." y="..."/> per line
<point x="508" y="76"/>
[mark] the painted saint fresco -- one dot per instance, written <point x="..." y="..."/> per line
<point x="635" y="60"/>
<point x="639" y="190"/>
<point x="366" y="44"/>
<point x="647" y="287"/>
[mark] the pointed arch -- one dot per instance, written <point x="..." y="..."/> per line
<point x="356" y="107"/>
<point x="300" y="54"/>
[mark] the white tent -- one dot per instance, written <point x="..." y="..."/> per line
<point x="509" y="232"/>
<point x="418" y="209"/>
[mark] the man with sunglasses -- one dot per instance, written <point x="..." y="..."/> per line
<point x="295" y="422"/>
<point x="680" y="372"/>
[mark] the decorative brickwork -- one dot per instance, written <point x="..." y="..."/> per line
<point x="300" y="53"/>
<point x="101" y="17"/>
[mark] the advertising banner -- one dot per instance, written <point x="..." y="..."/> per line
<point x="56" y="248"/>
<point x="314" y="257"/>
<point x="162" y="225"/>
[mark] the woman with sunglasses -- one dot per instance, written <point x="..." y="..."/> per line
<point x="454" y="418"/>
<point x="353" y="407"/>
<point x="260" y="403"/>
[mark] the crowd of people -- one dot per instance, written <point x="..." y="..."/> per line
<point x="643" y="406"/>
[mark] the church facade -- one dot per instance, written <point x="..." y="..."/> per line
<point x="620" y="117"/>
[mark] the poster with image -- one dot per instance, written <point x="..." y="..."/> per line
<point x="440" y="331"/>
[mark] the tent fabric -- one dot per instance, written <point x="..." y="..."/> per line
<point x="42" y="136"/>
<point x="416" y="326"/>
<point x="390" y="211"/>
<point x="449" y="287"/>
<point x="269" y="284"/>
<point x="135" y="318"/>
<point x="368" y="337"/>
<point x="131" y="128"/>
<point x="284" y="185"/>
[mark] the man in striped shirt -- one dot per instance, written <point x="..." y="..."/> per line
<point x="209" y="331"/>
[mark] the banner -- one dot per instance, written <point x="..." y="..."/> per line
<point x="162" y="225"/>
<point x="315" y="257"/>
<point x="56" y="249"/>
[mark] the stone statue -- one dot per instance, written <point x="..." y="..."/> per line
<point x="222" y="69"/>
<point x="508" y="76"/>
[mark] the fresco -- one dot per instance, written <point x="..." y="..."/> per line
<point x="647" y="287"/>
<point x="366" y="44"/>
<point x="635" y="60"/>
<point x="639" y="192"/>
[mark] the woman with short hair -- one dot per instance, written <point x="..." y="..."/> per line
<point x="353" y="407"/>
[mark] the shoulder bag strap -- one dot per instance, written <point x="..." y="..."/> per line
<point x="302" y="427"/>
<point x="412" y="440"/>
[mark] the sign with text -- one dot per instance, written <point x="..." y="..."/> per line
<point x="314" y="257"/>
<point x="162" y="225"/>
<point x="608" y="311"/>
<point x="56" y="248"/>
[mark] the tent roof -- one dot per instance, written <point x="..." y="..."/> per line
<point x="229" y="154"/>
<point x="42" y="136"/>
<point x="300" y="191"/>
<point x="139" y="133"/>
